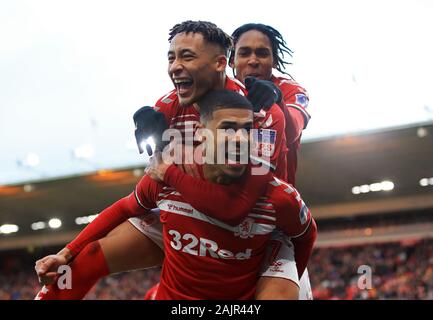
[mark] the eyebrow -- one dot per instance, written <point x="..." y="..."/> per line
<point x="235" y="123"/>
<point x="249" y="48"/>
<point x="244" y="48"/>
<point x="183" y="51"/>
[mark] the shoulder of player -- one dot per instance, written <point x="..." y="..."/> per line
<point x="289" y="86"/>
<point x="292" y="214"/>
<point x="167" y="101"/>
<point x="235" y="85"/>
<point x="146" y="184"/>
<point x="270" y="117"/>
<point x="282" y="194"/>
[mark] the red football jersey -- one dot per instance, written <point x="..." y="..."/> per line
<point x="208" y="259"/>
<point x="295" y="101"/>
<point x="271" y="124"/>
<point x="269" y="140"/>
<point x="151" y="293"/>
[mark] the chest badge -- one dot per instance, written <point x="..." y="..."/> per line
<point x="245" y="228"/>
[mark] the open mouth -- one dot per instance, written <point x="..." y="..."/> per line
<point x="183" y="86"/>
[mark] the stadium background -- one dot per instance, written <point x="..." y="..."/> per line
<point x="70" y="86"/>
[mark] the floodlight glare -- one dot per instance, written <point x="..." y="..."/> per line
<point x="55" y="223"/>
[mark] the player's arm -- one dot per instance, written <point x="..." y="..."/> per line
<point x="272" y="129"/>
<point x="304" y="244"/>
<point x="279" y="125"/>
<point x="130" y="206"/>
<point x="262" y="93"/>
<point x="230" y="204"/>
<point x="152" y="122"/>
<point x="273" y="288"/>
<point x="137" y="203"/>
<point x="294" y="106"/>
<point x="227" y="203"/>
<point x="295" y="220"/>
<point x="106" y="221"/>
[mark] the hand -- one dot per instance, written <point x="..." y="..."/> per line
<point x="149" y="123"/>
<point x="262" y="93"/>
<point x="46" y="268"/>
<point x="157" y="167"/>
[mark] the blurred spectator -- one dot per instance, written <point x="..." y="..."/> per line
<point x="399" y="271"/>
<point x="18" y="281"/>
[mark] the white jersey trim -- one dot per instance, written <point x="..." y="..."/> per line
<point x="185" y="209"/>
<point x="306" y="115"/>
<point x="261" y="216"/>
<point x="266" y="163"/>
<point x="138" y="199"/>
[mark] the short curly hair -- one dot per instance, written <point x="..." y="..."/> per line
<point x="209" y="30"/>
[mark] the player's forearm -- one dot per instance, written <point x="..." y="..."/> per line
<point x="303" y="246"/>
<point x="106" y="221"/>
<point x="295" y="123"/>
<point x="230" y="204"/>
<point x="66" y="253"/>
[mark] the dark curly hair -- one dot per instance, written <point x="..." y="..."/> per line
<point x="209" y="30"/>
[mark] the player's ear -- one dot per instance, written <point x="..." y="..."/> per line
<point x="221" y="63"/>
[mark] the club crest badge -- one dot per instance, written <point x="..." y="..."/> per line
<point x="245" y="228"/>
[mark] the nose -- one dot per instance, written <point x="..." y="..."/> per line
<point x="238" y="141"/>
<point x="241" y="136"/>
<point x="253" y="61"/>
<point x="175" y="67"/>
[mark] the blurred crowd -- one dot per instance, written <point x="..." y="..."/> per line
<point x="399" y="270"/>
<point x="18" y="281"/>
<point x="125" y="286"/>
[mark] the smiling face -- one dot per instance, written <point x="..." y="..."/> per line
<point x="253" y="56"/>
<point x="195" y="66"/>
<point x="234" y="142"/>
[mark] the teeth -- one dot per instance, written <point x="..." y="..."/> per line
<point x="180" y="81"/>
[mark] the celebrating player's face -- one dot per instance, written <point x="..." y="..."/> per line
<point x="253" y="56"/>
<point x="230" y="129"/>
<point x="194" y="66"/>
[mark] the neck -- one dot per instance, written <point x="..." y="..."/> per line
<point x="221" y="83"/>
<point x="213" y="173"/>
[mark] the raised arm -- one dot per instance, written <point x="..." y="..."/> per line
<point x="294" y="106"/>
<point x="295" y="220"/>
<point x="303" y="246"/>
<point x="230" y="204"/>
<point x="106" y="221"/>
